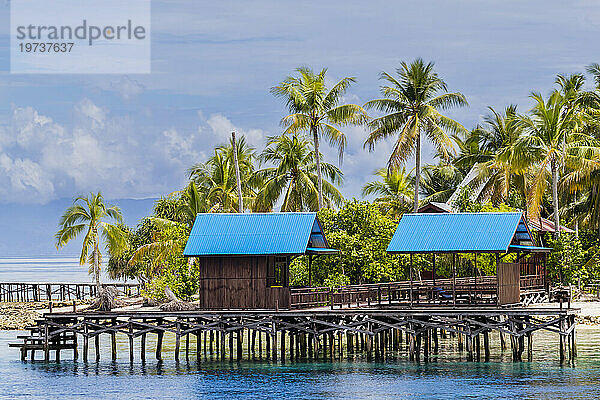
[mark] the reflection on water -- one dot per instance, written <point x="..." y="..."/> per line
<point x="447" y="376"/>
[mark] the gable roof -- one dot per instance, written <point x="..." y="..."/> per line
<point x="215" y="234"/>
<point x="435" y="207"/>
<point x="546" y="225"/>
<point x="460" y="233"/>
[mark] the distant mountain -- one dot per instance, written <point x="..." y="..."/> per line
<point x="27" y="230"/>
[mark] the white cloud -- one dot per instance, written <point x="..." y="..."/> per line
<point x="219" y="127"/>
<point x="127" y="88"/>
<point x="41" y="159"/>
<point x="24" y="179"/>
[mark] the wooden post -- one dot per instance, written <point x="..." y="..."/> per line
<point x="200" y="341"/>
<point x="46" y="344"/>
<point x="454" y="279"/>
<point x="143" y="348"/>
<point x="113" y="341"/>
<point x="97" y="346"/>
<point x="497" y="281"/>
<point x="177" y="339"/>
<point x="562" y="340"/>
<point x="486" y="345"/>
<point x="433" y="272"/>
<point x="240" y="338"/>
<point x="187" y="346"/>
<point x="282" y="345"/>
<point x="309" y="270"/>
<point x="274" y="342"/>
<point x="159" y="341"/>
<point x="222" y="342"/>
<point x="411" y="281"/>
<point x="230" y="346"/>
<point x="130" y="341"/>
<point x="268" y="344"/>
<point x="85" y="342"/>
<point x="573" y="338"/>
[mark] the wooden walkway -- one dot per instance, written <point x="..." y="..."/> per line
<point x="302" y="334"/>
<point x="58" y="291"/>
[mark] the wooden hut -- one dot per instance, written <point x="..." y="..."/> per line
<point x="245" y="258"/>
<point x="459" y="233"/>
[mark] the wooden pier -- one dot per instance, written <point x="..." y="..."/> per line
<point x="304" y="334"/>
<point x="31" y="291"/>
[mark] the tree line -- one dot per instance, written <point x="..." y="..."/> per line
<point x="544" y="161"/>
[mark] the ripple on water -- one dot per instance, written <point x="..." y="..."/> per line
<point x="444" y="378"/>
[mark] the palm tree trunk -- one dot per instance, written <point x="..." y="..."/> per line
<point x="318" y="162"/>
<point x="555" y="197"/>
<point x="97" y="268"/>
<point x="237" y="175"/>
<point x="417" y="170"/>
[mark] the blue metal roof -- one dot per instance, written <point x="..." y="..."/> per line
<point x="459" y="232"/>
<point x="253" y="234"/>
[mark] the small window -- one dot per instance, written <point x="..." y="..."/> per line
<point x="279" y="276"/>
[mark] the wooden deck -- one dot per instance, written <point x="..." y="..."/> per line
<point x="302" y="334"/>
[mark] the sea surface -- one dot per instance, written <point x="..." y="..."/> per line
<point x="445" y="376"/>
<point x="50" y="269"/>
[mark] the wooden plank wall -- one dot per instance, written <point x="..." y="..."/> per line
<point x="509" y="283"/>
<point x="239" y="283"/>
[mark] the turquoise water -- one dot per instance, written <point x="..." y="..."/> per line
<point x="446" y="377"/>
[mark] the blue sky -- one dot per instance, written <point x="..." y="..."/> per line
<point x="133" y="136"/>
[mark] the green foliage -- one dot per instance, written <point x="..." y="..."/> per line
<point x="167" y="207"/>
<point x="565" y="261"/>
<point x="464" y="203"/>
<point x="361" y="233"/>
<point x="172" y="269"/>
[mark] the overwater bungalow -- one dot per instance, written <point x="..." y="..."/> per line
<point x="245" y="258"/>
<point x="453" y="234"/>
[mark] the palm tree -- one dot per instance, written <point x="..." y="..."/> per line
<point x="438" y="182"/>
<point x="412" y="101"/>
<point x="192" y="203"/>
<point x="91" y="214"/>
<point x="316" y="110"/>
<point x="393" y="190"/>
<point x="216" y="178"/>
<point x="501" y="166"/>
<point x="293" y="176"/>
<point x="555" y="142"/>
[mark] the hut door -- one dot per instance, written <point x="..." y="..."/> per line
<point x="508" y="283"/>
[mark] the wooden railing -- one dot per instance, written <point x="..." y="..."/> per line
<point x="310" y="297"/>
<point x="27" y="291"/>
<point x="480" y="290"/>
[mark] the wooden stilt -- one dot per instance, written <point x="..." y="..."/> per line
<point x="97" y="346"/>
<point x="130" y="336"/>
<point x="240" y="339"/>
<point x="187" y="346"/>
<point x="222" y="344"/>
<point x="159" y="340"/>
<point x="177" y="340"/>
<point x="113" y="345"/>
<point x="282" y="353"/>
<point x="85" y="343"/>
<point x="230" y="346"/>
<point x="143" y="347"/>
<point x="486" y="345"/>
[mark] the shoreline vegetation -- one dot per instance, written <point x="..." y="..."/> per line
<point x="543" y="162"/>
